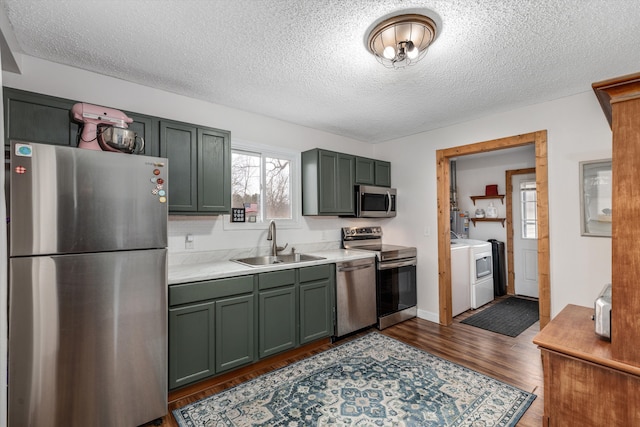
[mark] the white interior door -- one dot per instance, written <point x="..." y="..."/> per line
<point x="525" y="235"/>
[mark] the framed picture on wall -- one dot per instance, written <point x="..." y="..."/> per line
<point x="595" y="198"/>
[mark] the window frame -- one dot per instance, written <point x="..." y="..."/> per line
<point x="524" y="220"/>
<point x="294" y="157"/>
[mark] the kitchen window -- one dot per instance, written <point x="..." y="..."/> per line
<point x="263" y="182"/>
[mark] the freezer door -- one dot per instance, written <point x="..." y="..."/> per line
<point x="71" y="200"/>
<point x="88" y="339"/>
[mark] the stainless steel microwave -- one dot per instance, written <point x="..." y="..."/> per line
<point x="375" y="202"/>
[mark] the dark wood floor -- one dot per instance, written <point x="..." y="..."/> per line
<point x="515" y="361"/>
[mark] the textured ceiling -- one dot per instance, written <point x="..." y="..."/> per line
<point x="305" y="61"/>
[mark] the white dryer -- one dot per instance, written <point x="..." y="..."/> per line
<point x="481" y="274"/>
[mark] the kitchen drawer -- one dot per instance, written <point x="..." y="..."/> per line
<point x="317" y="272"/>
<point x="210" y="289"/>
<point x="276" y="279"/>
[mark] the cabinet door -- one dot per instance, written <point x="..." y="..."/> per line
<point x="234" y="332"/>
<point x="316" y="307"/>
<point x="214" y="171"/>
<point x="39" y="118"/>
<point x="191" y="343"/>
<point x="365" y="171"/>
<point x="277" y="320"/>
<point x="143" y="126"/>
<point x="344" y="184"/>
<point x="178" y="144"/>
<point x="382" y="173"/>
<point x="327" y="182"/>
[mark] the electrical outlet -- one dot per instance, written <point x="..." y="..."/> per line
<point x="189" y="241"/>
<point x="427" y="231"/>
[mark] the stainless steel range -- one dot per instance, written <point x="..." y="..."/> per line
<point x="395" y="274"/>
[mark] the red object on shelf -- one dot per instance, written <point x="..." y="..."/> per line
<point x="491" y="190"/>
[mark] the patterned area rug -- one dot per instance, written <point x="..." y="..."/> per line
<point x="371" y="381"/>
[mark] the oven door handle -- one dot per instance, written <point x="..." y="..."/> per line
<point x="395" y="264"/>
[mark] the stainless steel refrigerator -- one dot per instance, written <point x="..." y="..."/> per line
<point x="87" y="287"/>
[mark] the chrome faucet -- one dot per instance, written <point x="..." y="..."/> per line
<point x="272" y="236"/>
<point x="455" y="235"/>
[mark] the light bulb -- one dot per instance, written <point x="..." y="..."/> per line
<point x="412" y="50"/>
<point x="389" y="52"/>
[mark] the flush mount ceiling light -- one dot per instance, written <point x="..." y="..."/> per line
<point x="401" y="40"/>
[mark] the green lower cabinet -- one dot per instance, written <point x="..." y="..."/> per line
<point x="213" y="326"/>
<point x="315" y="311"/>
<point x="316" y="302"/>
<point x="234" y="332"/>
<point x="191" y="343"/>
<point x="277" y="321"/>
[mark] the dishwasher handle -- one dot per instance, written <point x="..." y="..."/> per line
<point x="357" y="267"/>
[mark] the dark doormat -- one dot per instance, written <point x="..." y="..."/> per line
<point x="508" y="317"/>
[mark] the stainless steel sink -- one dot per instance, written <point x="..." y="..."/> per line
<point x="258" y="261"/>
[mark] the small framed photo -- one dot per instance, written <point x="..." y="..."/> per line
<point x="237" y="214"/>
<point x="595" y="198"/>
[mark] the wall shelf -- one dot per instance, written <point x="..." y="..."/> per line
<point x="497" y="196"/>
<point x="502" y="220"/>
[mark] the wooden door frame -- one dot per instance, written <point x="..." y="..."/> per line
<point x="443" y="157"/>
<point x="511" y="276"/>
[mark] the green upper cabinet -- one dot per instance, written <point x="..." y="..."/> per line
<point x="199" y="168"/>
<point x="38" y="118"/>
<point x="214" y="171"/>
<point x="327" y="183"/>
<point x="373" y="172"/>
<point x="178" y="143"/>
<point x="383" y="173"/>
<point x="34" y="117"/>
<point x="145" y="127"/>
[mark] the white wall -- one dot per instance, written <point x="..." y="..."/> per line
<point x="577" y="130"/>
<point x="71" y="83"/>
<point x="474" y="173"/>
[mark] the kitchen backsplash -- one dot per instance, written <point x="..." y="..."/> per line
<point x="198" y="257"/>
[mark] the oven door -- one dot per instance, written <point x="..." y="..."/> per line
<point x="396" y="286"/>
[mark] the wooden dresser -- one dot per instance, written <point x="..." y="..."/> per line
<point x="589" y="381"/>
<point x="583" y="384"/>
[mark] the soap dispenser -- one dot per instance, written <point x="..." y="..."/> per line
<point x="492" y="211"/>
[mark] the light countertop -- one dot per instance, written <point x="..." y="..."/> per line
<point x="185" y="273"/>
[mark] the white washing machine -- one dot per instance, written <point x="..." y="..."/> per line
<point x="460" y="274"/>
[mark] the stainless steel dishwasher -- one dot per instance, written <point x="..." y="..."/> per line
<point x="355" y="295"/>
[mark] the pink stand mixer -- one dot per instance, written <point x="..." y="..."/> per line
<point x="105" y="129"/>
